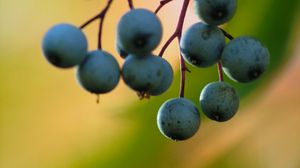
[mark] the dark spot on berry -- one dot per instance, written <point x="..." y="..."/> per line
<point x="216" y="117"/>
<point x="122" y="52"/>
<point x="141" y="40"/>
<point x="169" y="124"/>
<point x="177" y="136"/>
<point x="219" y="12"/>
<point x="189" y="121"/>
<point x="178" y="122"/>
<point x="205" y="34"/>
<point x="54" y="58"/>
<point x="163" y="123"/>
<point x="254" y="72"/>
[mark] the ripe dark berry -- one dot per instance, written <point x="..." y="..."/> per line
<point x="202" y="44"/>
<point x="215" y="12"/>
<point x="245" y="59"/>
<point x="99" y="72"/>
<point x="178" y="119"/>
<point x="64" y="45"/>
<point x="219" y="101"/>
<point x="142" y="74"/>
<point x="139" y="32"/>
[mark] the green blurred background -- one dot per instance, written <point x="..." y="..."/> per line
<point x="48" y="121"/>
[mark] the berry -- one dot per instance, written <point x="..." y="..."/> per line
<point x="167" y="79"/>
<point x="64" y="45"/>
<point x="219" y="101"/>
<point x="215" y="12"/>
<point x="202" y="44"/>
<point x="178" y="119"/>
<point x="99" y="72"/>
<point x="142" y="74"/>
<point x="139" y="32"/>
<point x="244" y="59"/>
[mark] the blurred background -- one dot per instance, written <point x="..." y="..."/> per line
<point x="48" y="121"/>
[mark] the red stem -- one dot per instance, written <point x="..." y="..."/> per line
<point x="100" y="16"/>
<point x="221" y="79"/>
<point x="162" y="3"/>
<point x="179" y="30"/>
<point x="177" y="34"/>
<point x="130" y="3"/>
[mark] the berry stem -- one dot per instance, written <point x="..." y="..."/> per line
<point x="104" y="11"/>
<point x="98" y="16"/>
<point x="162" y="3"/>
<point x="166" y="45"/>
<point x="179" y="30"/>
<point x="230" y="37"/>
<point x="177" y="33"/>
<point x="220" y="72"/>
<point x="130" y="3"/>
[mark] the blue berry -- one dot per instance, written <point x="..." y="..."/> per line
<point x="142" y="74"/>
<point x="139" y="32"/>
<point x="178" y="119"/>
<point x="202" y="45"/>
<point x="64" y="45"/>
<point x="215" y="12"/>
<point x="219" y="101"/>
<point x="245" y="59"/>
<point x="166" y="81"/>
<point x="99" y="72"/>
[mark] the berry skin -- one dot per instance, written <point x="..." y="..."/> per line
<point x="219" y="101"/>
<point x="64" y="45"/>
<point x="139" y="32"/>
<point x="178" y="119"/>
<point x="244" y="59"/>
<point x="215" y="12"/>
<point x="202" y="44"/>
<point x="142" y="74"/>
<point x="99" y="72"/>
<point x="166" y="81"/>
<point x="121" y="51"/>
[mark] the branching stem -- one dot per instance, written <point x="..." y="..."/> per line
<point x="177" y="34"/>
<point x="162" y="4"/>
<point x="100" y="16"/>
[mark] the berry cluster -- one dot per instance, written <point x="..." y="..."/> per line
<point x="139" y="32"/>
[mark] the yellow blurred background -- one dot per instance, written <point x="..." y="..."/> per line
<point x="48" y="121"/>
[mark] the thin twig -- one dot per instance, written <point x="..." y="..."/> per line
<point x="130" y="3"/>
<point x="162" y="3"/>
<point x="98" y="16"/>
<point x="177" y="33"/>
<point x="230" y="37"/>
<point x="220" y="71"/>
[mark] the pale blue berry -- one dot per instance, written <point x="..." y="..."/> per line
<point x="178" y="119"/>
<point x="99" y="72"/>
<point x="219" y="101"/>
<point x="215" y="12"/>
<point x="245" y="59"/>
<point x="139" y="32"/>
<point x="64" y="45"/>
<point x="142" y="74"/>
<point x="202" y="44"/>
